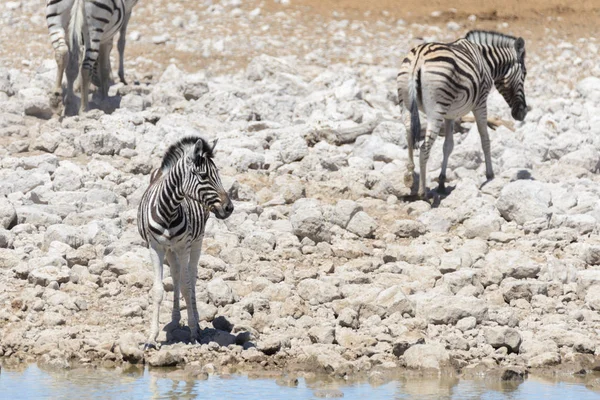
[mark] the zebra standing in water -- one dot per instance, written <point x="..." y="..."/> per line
<point x="172" y="216"/>
<point x="93" y="24"/>
<point x="446" y="81"/>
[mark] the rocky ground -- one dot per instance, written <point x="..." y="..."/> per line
<point x="326" y="264"/>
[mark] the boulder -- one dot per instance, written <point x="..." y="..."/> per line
<point x="317" y="292"/>
<point x="443" y="309"/>
<point x="8" y="214"/>
<point x="219" y="292"/>
<point x="427" y="356"/>
<point x="525" y="201"/>
<point x="503" y="337"/>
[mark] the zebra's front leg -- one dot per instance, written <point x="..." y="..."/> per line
<point x="189" y="273"/>
<point x="193" y="266"/>
<point x="157" y="256"/>
<point x="481" y="119"/>
<point x="433" y="128"/>
<point x="448" y="147"/>
<point x="121" y="47"/>
<point x="175" y="268"/>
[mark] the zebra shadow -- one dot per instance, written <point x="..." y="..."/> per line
<point x="438" y="196"/>
<point x="433" y="195"/>
<point x="220" y="333"/>
<point x="108" y="104"/>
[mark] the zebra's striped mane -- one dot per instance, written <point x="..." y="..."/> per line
<point x="491" y="38"/>
<point x="180" y="148"/>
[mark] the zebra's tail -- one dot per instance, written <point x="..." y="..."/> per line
<point x="77" y="27"/>
<point x="415" y="122"/>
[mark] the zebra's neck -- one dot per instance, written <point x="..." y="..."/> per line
<point x="498" y="59"/>
<point x="170" y="193"/>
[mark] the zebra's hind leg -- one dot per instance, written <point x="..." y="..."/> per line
<point x="72" y="72"/>
<point x="104" y="72"/>
<point x="61" y="52"/>
<point x="481" y="119"/>
<point x="434" y="125"/>
<point x="448" y="147"/>
<point x="409" y="175"/>
<point x="175" y="268"/>
<point x="157" y="256"/>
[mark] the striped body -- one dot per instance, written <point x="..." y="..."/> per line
<point x="447" y="81"/>
<point x="89" y="23"/>
<point x="160" y="221"/>
<point x="172" y="215"/>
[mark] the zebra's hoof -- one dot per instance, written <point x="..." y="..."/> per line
<point x="442" y="189"/>
<point x="489" y="176"/>
<point x="149" y="346"/>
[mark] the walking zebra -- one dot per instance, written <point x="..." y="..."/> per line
<point x="446" y="81"/>
<point x="89" y="23"/>
<point x="172" y="216"/>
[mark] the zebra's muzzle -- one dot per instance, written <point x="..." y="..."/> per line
<point x="223" y="210"/>
<point x="519" y="113"/>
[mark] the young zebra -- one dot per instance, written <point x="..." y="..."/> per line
<point x="172" y="216"/>
<point x="446" y="81"/>
<point x="89" y="23"/>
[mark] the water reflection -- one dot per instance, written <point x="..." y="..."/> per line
<point x="17" y="382"/>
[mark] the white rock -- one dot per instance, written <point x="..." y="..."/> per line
<point x="503" y="337"/>
<point x="316" y="292"/>
<point x="362" y="224"/>
<point x="219" y="292"/>
<point x="590" y="88"/>
<point x="308" y="221"/>
<point x="442" y="309"/>
<point x="8" y="214"/>
<point x="525" y="201"/>
<point x="426" y="356"/>
<point x="293" y="148"/>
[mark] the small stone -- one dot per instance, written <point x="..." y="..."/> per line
<point x="269" y="346"/>
<point x="408" y="228"/>
<point x="161" y="39"/>
<point x="348" y="318"/>
<point x="219" y="292"/>
<point x="165" y="358"/>
<point x="362" y="224"/>
<point x="322" y="334"/>
<point x="426" y="356"/>
<point x="503" y="337"/>
<point x="8" y="214"/>
<point x="466" y="324"/>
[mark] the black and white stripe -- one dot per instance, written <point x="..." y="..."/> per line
<point x="447" y="81"/>
<point x="172" y="217"/>
<point x="89" y="23"/>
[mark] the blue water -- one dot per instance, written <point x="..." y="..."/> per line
<point x="34" y="383"/>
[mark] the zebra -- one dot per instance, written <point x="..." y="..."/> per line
<point x="172" y="216"/>
<point x="448" y="80"/>
<point x="89" y="23"/>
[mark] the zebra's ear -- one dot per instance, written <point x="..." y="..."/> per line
<point x="197" y="151"/>
<point x="520" y="47"/>
<point x="214" y="144"/>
